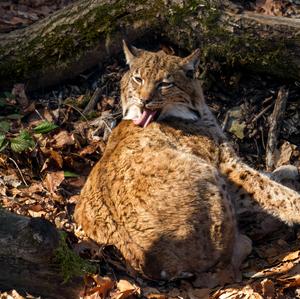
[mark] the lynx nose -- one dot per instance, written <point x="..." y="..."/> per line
<point x="146" y="101"/>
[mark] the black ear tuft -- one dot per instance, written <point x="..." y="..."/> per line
<point x="191" y="62"/>
<point x="131" y="53"/>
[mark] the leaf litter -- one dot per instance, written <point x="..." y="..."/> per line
<point x="43" y="177"/>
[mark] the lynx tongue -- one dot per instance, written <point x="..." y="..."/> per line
<point x="145" y="119"/>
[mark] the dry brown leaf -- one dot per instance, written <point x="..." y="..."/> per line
<point x="156" y="296"/>
<point x="11" y="295"/>
<point x="37" y="214"/>
<point x="53" y="180"/>
<point x="54" y="156"/>
<point x="125" y="290"/>
<point x="89" y="149"/>
<point x="63" y="139"/>
<point x="12" y="180"/>
<point x="290" y="281"/>
<point x="279" y="269"/>
<point x="292" y="256"/>
<point x="57" y="157"/>
<point x="103" y="286"/>
<point x="286" y="151"/>
<point x="35" y="187"/>
<point x="155" y="293"/>
<point x="246" y="292"/>
<point x="266" y="288"/>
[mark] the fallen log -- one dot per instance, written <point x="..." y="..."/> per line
<point x="28" y="258"/>
<point x="89" y="32"/>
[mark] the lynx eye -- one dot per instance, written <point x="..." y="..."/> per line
<point x="165" y="85"/>
<point x="190" y="74"/>
<point x="137" y="79"/>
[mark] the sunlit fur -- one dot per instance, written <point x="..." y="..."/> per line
<point x="174" y="98"/>
<point x="167" y="194"/>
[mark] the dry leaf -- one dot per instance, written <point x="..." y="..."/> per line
<point x="156" y="296"/>
<point x="37" y="214"/>
<point x="125" y="290"/>
<point x="246" y="292"/>
<point x="53" y="180"/>
<point x="63" y="139"/>
<point x="54" y="156"/>
<point x="152" y="293"/>
<point x="11" y="295"/>
<point x="57" y="157"/>
<point x="102" y="288"/>
<point x="290" y="281"/>
<point x="279" y="269"/>
<point x="266" y="288"/>
<point x="89" y="149"/>
<point x="286" y="151"/>
<point x="291" y="256"/>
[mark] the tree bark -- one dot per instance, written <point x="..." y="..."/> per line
<point x="88" y="32"/>
<point x="27" y="258"/>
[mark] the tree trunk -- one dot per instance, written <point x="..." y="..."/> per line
<point x="88" y="32"/>
<point x="27" y="258"/>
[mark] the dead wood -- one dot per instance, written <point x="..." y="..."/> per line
<point x="89" y="32"/>
<point x="275" y="125"/>
<point x="93" y="101"/>
<point x="27" y="258"/>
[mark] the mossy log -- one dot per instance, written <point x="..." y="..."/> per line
<point x="28" y="260"/>
<point x="88" y="32"/>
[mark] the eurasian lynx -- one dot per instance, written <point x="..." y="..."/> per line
<point x="168" y="187"/>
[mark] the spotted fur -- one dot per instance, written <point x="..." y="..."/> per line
<point x="165" y="195"/>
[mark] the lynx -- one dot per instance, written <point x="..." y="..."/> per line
<point x="169" y="186"/>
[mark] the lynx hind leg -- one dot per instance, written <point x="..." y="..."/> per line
<point x="225" y="273"/>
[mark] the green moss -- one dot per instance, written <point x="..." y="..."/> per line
<point x="59" y="49"/>
<point x="261" y="55"/>
<point x="71" y="265"/>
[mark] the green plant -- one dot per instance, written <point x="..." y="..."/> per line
<point x="45" y="127"/>
<point x="71" y="265"/>
<point x="23" y="140"/>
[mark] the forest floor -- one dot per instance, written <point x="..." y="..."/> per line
<point x="48" y="145"/>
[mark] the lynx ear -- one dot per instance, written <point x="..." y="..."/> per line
<point x="130" y="53"/>
<point x="191" y="62"/>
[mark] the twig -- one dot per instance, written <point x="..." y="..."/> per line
<point x="262" y="112"/>
<point x="225" y="122"/>
<point x="275" y="124"/>
<point x="93" y="101"/>
<point x="39" y="114"/>
<point x="23" y="179"/>
<point x="73" y="107"/>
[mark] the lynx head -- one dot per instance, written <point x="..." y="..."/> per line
<point x="158" y="86"/>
